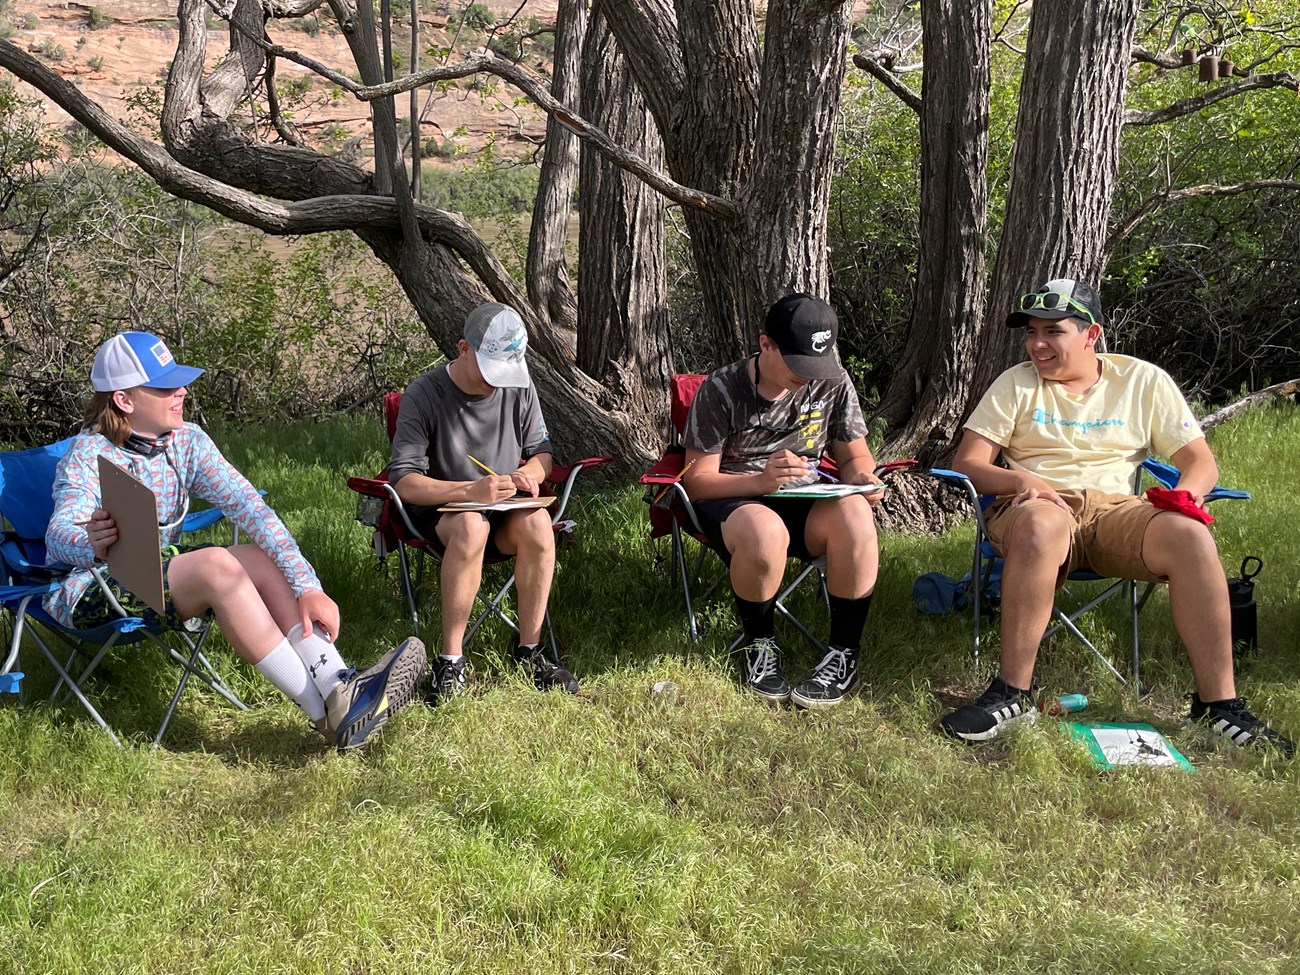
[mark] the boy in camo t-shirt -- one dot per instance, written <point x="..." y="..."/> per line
<point x="760" y="425"/>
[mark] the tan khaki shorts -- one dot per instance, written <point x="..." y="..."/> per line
<point x="1106" y="532"/>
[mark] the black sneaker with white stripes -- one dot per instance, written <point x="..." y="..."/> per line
<point x="998" y="708"/>
<point x="763" y="674"/>
<point x="831" y="680"/>
<point x="1232" y="721"/>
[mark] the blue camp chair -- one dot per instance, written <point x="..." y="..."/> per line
<point x="986" y="565"/>
<point x="27" y="504"/>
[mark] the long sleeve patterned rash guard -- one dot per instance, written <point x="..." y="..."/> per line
<point x="190" y="464"/>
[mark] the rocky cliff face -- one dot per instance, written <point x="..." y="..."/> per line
<point x="116" y="50"/>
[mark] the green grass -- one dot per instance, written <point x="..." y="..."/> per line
<point x="519" y="832"/>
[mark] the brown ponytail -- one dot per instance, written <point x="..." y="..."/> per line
<point x="101" y="415"/>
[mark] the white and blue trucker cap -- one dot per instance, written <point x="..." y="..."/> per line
<point x="131" y="359"/>
<point x="497" y="335"/>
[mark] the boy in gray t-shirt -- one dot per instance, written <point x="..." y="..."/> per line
<point x="459" y="428"/>
<point x="758" y="425"/>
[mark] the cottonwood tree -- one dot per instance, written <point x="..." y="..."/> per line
<point x="746" y="128"/>
<point x="1078" y="55"/>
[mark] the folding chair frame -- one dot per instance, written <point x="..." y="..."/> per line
<point x="666" y="495"/>
<point x="395" y="530"/>
<point x="984" y="558"/>
<point x="33" y="580"/>
<point x="679" y="501"/>
<point x="410" y="536"/>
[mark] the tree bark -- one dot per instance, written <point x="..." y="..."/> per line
<point x="622" y="290"/>
<point x="926" y="398"/>
<point x="1064" y="164"/>
<point x="547" y="274"/>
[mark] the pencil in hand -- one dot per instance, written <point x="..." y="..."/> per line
<point x="482" y="465"/>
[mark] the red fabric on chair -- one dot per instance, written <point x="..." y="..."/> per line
<point x="1183" y="502"/>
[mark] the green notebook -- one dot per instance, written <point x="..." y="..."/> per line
<point x="1112" y="745"/>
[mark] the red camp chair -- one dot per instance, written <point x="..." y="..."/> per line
<point x="380" y="508"/>
<point x="673" y="515"/>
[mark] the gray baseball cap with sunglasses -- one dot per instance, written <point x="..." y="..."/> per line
<point x="1058" y="298"/>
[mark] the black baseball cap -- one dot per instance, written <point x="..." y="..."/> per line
<point x="1058" y="298"/>
<point x="805" y="329"/>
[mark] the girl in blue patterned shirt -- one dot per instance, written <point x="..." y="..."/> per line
<point x="266" y="596"/>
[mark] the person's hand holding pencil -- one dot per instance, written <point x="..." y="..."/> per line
<point x="495" y="487"/>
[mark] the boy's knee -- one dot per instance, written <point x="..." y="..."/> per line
<point x="1040" y="530"/>
<point x="464" y="533"/>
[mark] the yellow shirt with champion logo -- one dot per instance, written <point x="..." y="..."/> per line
<point x="1094" y="439"/>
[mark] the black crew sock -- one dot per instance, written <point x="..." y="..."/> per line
<point x="848" y="617"/>
<point x="757" y="618"/>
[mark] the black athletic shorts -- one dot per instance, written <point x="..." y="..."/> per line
<point x="792" y="511"/>
<point x="425" y="519"/>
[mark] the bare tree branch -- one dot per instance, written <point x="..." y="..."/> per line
<point x="1154" y="204"/>
<point x="351" y="212"/>
<point x="273" y="109"/>
<point x="525" y="82"/>
<point x="1289" y="388"/>
<point x="887" y="78"/>
<point x="1283" y="79"/>
<point x="584" y="130"/>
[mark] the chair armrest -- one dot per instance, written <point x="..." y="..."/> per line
<point x="371" y="487"/>
<point x="1167" y="476"/>
<point x="562" y="478"/>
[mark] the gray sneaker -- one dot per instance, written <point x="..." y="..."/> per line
<point x="366" y="699"/>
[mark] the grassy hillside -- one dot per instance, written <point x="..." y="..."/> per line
<point x="614" y="832"/>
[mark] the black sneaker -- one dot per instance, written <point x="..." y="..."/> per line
<point x="545" y="669"/>
<point x="997" y="709"/>
<point x="763" y="673"/>
<point x="831" y="680"/>
<point x="1232" y="720"/>
<point x="447" y="681"/>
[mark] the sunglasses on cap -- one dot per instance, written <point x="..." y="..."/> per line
<point x="1054" y="301"/>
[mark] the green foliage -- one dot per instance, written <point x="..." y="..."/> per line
<point x="302" y="330"/>
<point x="31" y="21"/>
<point x="475" y="16"/>
<point x="487" y="188"/>
<point x="612" y="832"/>
<point x="1204" y="287"/>
<point x="98" y="20"/>
<point x="51" y="50"/>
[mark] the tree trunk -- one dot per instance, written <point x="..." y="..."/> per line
<point x="622" y="290"/>
<point x="547" y="274"/>
<point x="926" y="399"/>
<point x="785" y="200"/>
<point x="1064" y="164"/>
<point x="762" y="133"/>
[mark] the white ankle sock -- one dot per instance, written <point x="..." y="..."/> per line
<point x="319" y="656"/>
<point x="284" y="668"/>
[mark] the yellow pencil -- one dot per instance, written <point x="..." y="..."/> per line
<point x="483" y="465"/>
<point x="680" y="474"/>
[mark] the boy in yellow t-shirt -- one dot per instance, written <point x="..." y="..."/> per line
<point x="1072" y="426"/>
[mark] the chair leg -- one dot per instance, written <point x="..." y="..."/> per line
<point x="63" y="675"/>
<point x="189" y="668"/>
<point x="209" y="675"/>
<point x="1064" y="621"/>
<point x="679" y="562"/>
<point x="493" y="607"/>
<point x="405" y="566"/>
<point x="1133" y="608"/>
